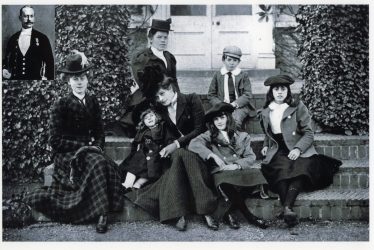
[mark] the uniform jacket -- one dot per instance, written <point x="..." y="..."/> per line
<point x="73" y="124"/>
<point x="237" y="151"/>
<point x="242" y="83"/>
<point x="296" y="130"/>
<point x="147" y="58"/>
<point x="189" y="118"/>
<point x="29" y="67"/>
<point x="144" y="159"/>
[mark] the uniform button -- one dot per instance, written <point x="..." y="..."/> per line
<point x="23" y="59"/>
<point x="23" y="68"/>
<point x="148" y="158"/>
<point x="23" y="63"/>
<point x="23" y="73"/>
<point x="293" y="133"/>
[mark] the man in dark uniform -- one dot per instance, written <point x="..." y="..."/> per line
<point x="28" y="54"/>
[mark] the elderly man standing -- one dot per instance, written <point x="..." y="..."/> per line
<point x="28" y="54"/>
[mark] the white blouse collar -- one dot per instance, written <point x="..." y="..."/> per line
<point x="235" y="72"/>
<point x="276" y="106"/>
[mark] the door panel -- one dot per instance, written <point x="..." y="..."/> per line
<point x="231" y="25"/>
<point x="190" y="41"/>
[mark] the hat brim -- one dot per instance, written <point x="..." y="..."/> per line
<point x="233" y="55"/>
<point x="210" y="115"/>
<point x="64" y="70"/>
<point x="160" y="29"/>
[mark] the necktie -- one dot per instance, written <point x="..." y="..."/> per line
<point x="231" y="87"/>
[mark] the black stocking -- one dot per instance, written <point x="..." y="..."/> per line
<point x="236" y="199"/>
<point x="294" y="189"/>
<point x="281" y="189"/>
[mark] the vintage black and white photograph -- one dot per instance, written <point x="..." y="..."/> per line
<point x="28" y="34"/>
<point x="234" y="122"/>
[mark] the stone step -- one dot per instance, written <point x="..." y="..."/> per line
<point x="328" y="204"/>
<point x="338" y="146"/>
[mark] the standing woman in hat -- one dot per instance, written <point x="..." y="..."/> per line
<point x="291" y="162"/>
<point x="86" y="185"/>
<point x="154" y="56"/>
<point x="229" y="153"/>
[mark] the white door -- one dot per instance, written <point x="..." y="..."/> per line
<point x="202" y="31"/>
<point x="231" y="25"/>
<point x="190" y="42"/>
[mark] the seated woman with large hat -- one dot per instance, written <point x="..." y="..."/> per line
<point x="86" y="185"/>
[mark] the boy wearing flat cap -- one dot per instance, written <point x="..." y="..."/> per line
<point x="233" y="86"/>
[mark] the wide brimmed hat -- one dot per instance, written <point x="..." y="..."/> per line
<point x="75" y="63"/>
<point x="233" y="51"/>
<point x="162" y="25"/>
<point x="279" y="80"/>
<point x="217" y="109"/>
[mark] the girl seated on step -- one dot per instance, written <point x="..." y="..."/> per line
<point x="231" y="157"/>
<point x="291" y="162"/>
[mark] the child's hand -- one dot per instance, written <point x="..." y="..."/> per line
<point x="216" y="158"/>
<point x="294" y="154"/>
<point x="264" y="151"/>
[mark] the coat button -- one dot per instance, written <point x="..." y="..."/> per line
<point x="293" y="133"/>
<point x="90" y="143"/>
<point x="148" y="158"/>
<point x="234" y="155"/>
<point x="289" y="117"/>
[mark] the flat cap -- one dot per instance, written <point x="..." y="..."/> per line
<point x="217" y="109"/>
<point x="232" y="51"/>
<point x="279" y="79"/>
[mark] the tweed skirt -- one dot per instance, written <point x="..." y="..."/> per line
<point x="241" y="178"/>
<point x="318" y="170"/>
<point x="185" y="188"/>
<point x="99" y="191"/>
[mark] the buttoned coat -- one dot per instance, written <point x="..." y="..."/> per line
<point x="237" y="151"/>
<point x="216" y="93"/>
<point x="29" y="66"/>
<point x="147" y="58"/>
<point x="296" y="130"/>
<point x="189" y="118"/>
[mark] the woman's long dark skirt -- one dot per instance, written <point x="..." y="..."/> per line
<point x="99" y="192"/>
<point x="318" y="170"/>
<point x="185" y="188"/>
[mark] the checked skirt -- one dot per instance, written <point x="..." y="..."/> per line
<point x="99" y="191"/>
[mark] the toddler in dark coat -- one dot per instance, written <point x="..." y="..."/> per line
<point x="144" y="163"/>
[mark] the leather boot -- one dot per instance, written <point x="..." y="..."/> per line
<point x="102" y="224"/>
<point x="211" y="222"/>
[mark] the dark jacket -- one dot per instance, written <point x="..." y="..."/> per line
<point x="189" y="118"/>
<point x="73" y="125"/>
<point x="296" y="130"/>
<point x="243" y="87"/>
<point x="29" y="67"/>
<point x="147" y="58"/>
<point x="144" y="159"/>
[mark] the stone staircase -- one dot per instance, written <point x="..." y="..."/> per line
<point x="346" y="199"/>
